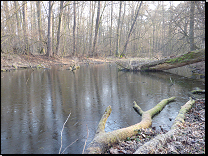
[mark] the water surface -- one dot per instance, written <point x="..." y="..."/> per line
<point x="35" y="104"/>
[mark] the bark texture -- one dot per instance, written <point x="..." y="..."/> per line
<point x="103" y="140"/>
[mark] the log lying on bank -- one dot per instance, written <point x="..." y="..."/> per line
<point x="168" y="63"/>
<point x="161" y="139"/>
<point x="102" y="140"/>
<point x="198" y="91"/>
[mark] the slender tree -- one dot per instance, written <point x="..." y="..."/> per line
<point x="59" y="28"/>
<point x="111" y="28"/>
<point x="132" y="26"/>
<point x="96" y="29"/>
<point x="49" y="44"/>
<point x="39" y="26"/>
<point x="74" y="30"/>
<point x="191" y="30"/>
<point x="92" y="10"/>
<point x="118" y="31"/>
<point x="25" y="27"/>
<point x="16" y="4"/>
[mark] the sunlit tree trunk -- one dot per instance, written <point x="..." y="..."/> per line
<point x="170" y="30"/>
<point x="25" y="27"/>
<point x="92" y="11"/>
<point x="132" y="26"/>
<point x="39" y="25"/>
<point x="49" y="44"/>
<point x="74" y="30"/>
<point x="163" y="28"/>
<point x="96" y="29"/>
<point x="191" y="30"/>
<point x="111" y="28"/>
<point x="122" y="34"/>
<point x="16" y="4"/>
<point x="118" y="31"/>
<point x="59" y="28"/>
<point x="8" y="26"/>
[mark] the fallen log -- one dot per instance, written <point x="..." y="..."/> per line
<point x="102" y="140"/>
<point x="198" y="91"/>
<point x="123" y="68"/>
<point x="169" y="63"/>
<point x="161" y="139"/>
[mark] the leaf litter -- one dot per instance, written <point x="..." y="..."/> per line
<point x="189" y="138"/>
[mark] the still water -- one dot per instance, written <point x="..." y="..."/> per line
<point x="35" y="104"/>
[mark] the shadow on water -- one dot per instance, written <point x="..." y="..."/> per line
<point x="35" y="104"/>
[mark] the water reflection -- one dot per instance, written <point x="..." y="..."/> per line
<point x="35" y="104"/>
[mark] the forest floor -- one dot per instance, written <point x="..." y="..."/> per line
<point x="14" y="61"/>
<point x="187" y="139"/>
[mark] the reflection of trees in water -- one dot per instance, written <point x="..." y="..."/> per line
<point x="36" y="112"/>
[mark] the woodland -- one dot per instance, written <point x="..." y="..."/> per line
<point x="154" y="29"/>
<point x="162" y="30"/>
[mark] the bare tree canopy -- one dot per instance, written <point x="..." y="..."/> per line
<point x="87" y="28"/>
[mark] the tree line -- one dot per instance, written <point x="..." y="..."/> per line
<point x="102" y="28"/>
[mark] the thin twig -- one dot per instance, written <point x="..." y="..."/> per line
<point x="29" y="77"/>
<point x="85" y="140"/>
<point x="68" y="146"/>
<point x="62" y="131"/>
<point x="27" y="80"/>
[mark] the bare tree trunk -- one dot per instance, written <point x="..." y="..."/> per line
<point x="25" y="27"/>
<point x="8" y="25"/>
<point x="74" y="30"/>
<point x="132" y="26"/>
<point x="121" y="26"/>
<point x="39" y="25"/>
<point x="111" y="28"/>
<point x="49" y="48"/>
<point x="191" y="30"/>
<point x="96" y="29"/>
<point x="118" y="31"/>
<point x="59" y="28"/>
<point x="91" y="30"/>
<point x="16" y="4"/>
<point x="170" y="30"/>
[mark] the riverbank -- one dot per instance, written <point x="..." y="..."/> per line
<point x="191" y="142"/>
<point x="14" y="61"/>
<point x="187" y="139"/>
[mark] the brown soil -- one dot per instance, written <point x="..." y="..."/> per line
<point x="14" y="61"/>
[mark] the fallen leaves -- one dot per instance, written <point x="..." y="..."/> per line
<point x="189" y="138"/>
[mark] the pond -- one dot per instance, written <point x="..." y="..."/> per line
<point x="35" y="104"/>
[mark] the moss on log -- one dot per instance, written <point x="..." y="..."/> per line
<point x="181" y="115"/>
<point x="198" y="91"/>
<point x="102" y="140"/>
<point x="168" y="63"/>
<point x="161" y="139"/>
<point x="179" y="61"/>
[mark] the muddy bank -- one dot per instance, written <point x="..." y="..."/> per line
<point x="14" y="61"/>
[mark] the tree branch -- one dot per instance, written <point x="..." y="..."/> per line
<point x="103" y="140"/>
